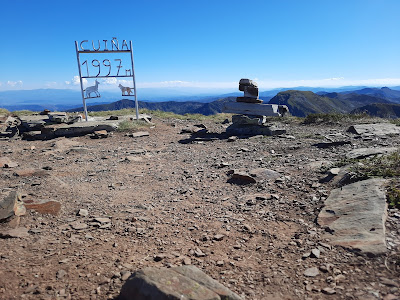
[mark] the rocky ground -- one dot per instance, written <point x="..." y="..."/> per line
<point x="167" y="199"/>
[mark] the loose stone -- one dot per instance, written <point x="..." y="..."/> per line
<point x="315" y="253"/>
<point x="328" y="291"/>
<point x="311" y="272"/>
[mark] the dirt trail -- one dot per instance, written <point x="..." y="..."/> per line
<point x="170" y="203"/>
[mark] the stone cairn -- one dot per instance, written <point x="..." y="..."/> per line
<point x="250" y="89"/>
<point x="250" y="113"/>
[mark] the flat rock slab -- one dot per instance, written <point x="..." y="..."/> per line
<point x="331" y="144"/>
<point x="355" y="215"/>
<point x="34" y="118"/>
<point x="78" y="225"/>
<point x="254" y="109"/>
<point x="379" y="129"/>
<point x="102" y="220"/>
<point x="139" y="134"/>
<point x="79" y="128"/>
<point x="19" y="232"/>
<point x="365" y="152"/>
<point x="248" y="100"/>
<point x="34" y="122"/>
<point x="264" y="174"/>
<point x="185" y="282"/>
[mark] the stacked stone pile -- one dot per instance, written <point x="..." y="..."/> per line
<point x="250" y="118"/>
<point x="9" y="126"/>
<point x="48" y="125"/>
<point x="250" y="89"/>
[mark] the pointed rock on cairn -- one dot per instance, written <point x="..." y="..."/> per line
<point x="251" y="113"/>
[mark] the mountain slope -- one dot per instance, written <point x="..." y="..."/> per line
<point x="357" y="100"/>
<point x="302" y="103"/>
<point x="176" y="107"/>
<point x="382" y="110"/>
<point x="171" y="106"/>
<point x="214" y="107"/>
<point x="386" y="93"/>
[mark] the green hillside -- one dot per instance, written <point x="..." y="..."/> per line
<point x="382" y="110"/>
<point x="302" y="103"/>
<point x="187" y="107"/>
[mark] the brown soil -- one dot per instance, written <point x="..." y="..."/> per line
<point x="167" y="198"/>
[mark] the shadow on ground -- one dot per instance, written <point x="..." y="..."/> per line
<point x="209" y="136"/>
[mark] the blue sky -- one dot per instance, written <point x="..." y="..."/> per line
<point x="207" y="43"/>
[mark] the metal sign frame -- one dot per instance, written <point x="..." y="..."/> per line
<point x="114" y="49"/>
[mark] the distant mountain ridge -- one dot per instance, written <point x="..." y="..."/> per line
<point x="65" y="99"/>
<point x="302" y="103"/>
<point x="171" y="106"/>
<point x="381" y="110"/>
<point x="383" y="93"/>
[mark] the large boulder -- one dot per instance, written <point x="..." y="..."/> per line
<point x="10" y="205"/>
<point x="7" y="204"/>
<point x="178" y="283"/>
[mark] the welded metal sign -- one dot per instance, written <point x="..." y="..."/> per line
<point x="105" y="59"/>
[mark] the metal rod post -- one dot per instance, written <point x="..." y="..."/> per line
<point x="134" y="84"/>
<point x="80" y="79"/>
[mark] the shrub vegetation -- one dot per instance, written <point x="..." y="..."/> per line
<point x="333" y="118"/>
<point x="130" y="126"/>
<point x="4" y="111"/>
<point x="161" y="114"/>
